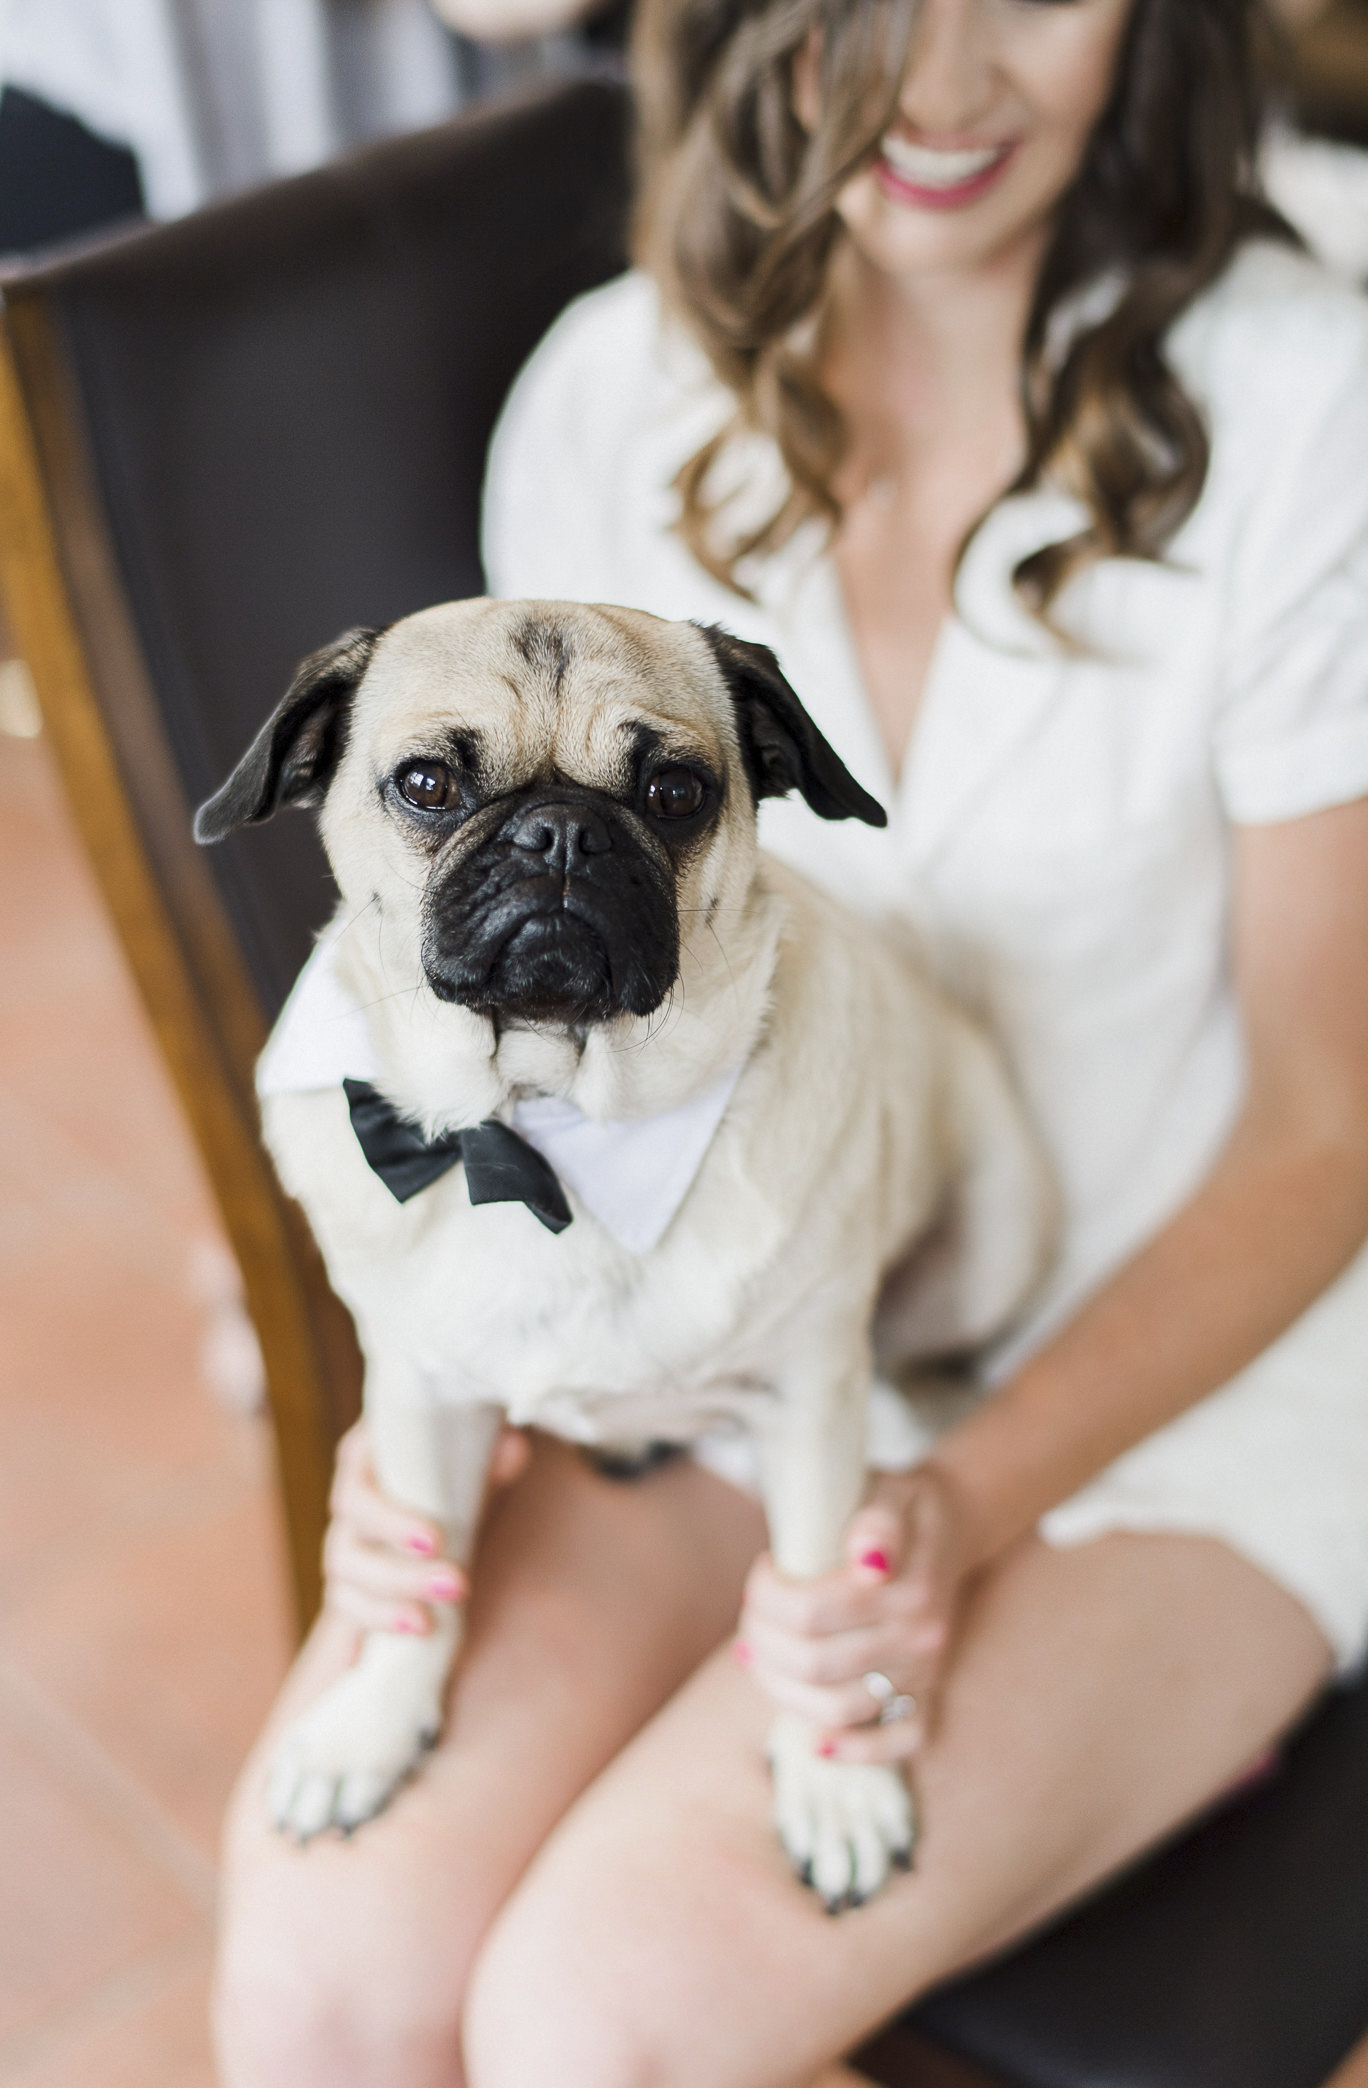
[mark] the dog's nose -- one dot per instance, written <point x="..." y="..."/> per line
<point x="561" y="833"/>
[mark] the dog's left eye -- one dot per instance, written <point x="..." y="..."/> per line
<point x="427" y="785"/>
<point x="675" y="793"/>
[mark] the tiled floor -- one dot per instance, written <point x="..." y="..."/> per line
<point x="142" y="1614"/>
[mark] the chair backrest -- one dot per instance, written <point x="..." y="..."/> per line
<point x="223" y="441"/>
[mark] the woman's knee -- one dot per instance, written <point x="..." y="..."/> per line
<point x="337" y="1967"/>
<point x="579" y="2040"/>
<point x="545" y="2003"/>
<point x="304" y="2016"/>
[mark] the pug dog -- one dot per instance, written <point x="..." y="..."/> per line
<point x="608" y="1123"/>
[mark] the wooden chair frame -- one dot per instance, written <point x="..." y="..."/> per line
<point x="72" y="624"/>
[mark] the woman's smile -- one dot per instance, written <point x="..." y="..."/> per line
<point x="998" y="103"/>
<point x="939" y="177"/>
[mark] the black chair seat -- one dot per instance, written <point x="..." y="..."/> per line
<point x="1235" y="1958"/>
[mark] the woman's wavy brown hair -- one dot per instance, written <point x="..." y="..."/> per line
<point x="737" y="223"/>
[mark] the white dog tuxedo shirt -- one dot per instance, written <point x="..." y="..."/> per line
<point x="632" y="1176"/>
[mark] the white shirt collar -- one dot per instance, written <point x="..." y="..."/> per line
<point x="631" y="1176"/>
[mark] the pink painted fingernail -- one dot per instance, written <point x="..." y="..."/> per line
<point x="876" y="1561"/>
<point x="420" y="1542"/>
<point x="410" y="1625"/>
<point x="826" y="1749"/>
<point x="443" y="1586"/>
<point x="741" y="1653"/>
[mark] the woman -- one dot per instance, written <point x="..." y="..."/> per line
<point x="1041" y="461"/>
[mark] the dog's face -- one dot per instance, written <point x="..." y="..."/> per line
<point x="537" y="794"/>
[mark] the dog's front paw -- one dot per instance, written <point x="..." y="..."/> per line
<point x="346" y="1756"/>
<point x="845" y="1825"/>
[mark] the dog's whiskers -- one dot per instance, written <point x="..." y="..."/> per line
<point x="358" y="916"/>
<point x="382" y="1000"/>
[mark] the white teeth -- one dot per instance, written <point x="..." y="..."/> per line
<point x="928" y="167"/>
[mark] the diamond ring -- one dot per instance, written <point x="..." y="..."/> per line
<point x="893" y="1703"/>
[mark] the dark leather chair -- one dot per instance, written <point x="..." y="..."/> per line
<point x="221" y="442"/>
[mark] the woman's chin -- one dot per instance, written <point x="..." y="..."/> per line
<point x="900" y="238"/>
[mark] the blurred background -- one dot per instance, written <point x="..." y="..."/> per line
<point x="145" y="1617"/>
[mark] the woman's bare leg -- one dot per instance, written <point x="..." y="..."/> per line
<point x="1100" y="1696"/>
<point x="1354" y="2072"/>
<point x="342" y="1964"/>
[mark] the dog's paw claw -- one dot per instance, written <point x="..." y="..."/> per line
<point x="342" y="1761"/>
<point x="846" y="1826"/>
<point x="312" y="1807"/>
<point x="359" y="1799"/>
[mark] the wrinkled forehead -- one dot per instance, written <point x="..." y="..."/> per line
<point x="520" y="689"/>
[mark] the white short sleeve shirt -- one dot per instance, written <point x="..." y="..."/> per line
<point x="1060" y="833"/>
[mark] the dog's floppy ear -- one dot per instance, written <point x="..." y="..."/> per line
<point x="782" y="748"/>
<point x="292" y="759"/>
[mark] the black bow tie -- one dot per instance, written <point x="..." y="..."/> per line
<point x="500" y="1167"/>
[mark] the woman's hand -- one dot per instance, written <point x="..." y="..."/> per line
<point x="890" y="1610"/>
<point x="382" y="1563"/>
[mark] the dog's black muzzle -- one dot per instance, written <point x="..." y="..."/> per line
<point x="562" y="910"/>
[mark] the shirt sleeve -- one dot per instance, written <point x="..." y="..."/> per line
<point x="1292" y="724"/>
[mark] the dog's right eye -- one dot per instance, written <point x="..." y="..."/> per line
<point x="428" y="786"/>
